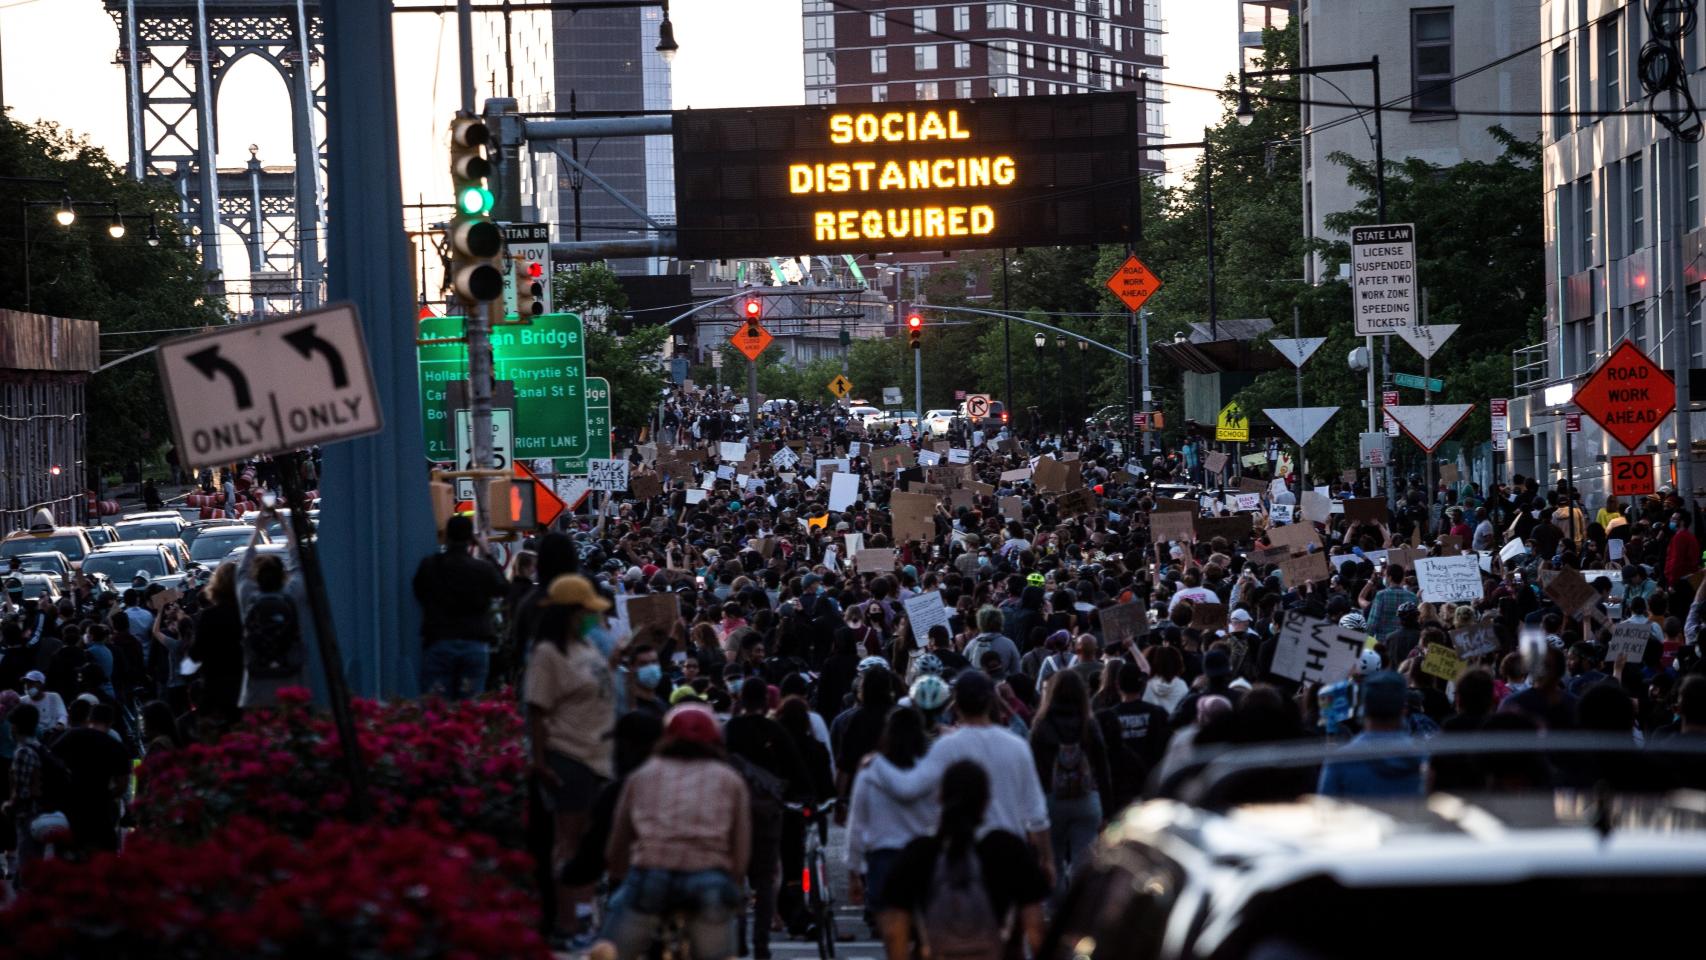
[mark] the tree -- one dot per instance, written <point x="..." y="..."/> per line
<point x="631" y="360"/>
<point x="139" y="293"/>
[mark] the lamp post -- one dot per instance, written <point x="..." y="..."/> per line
<point x="1041" y="340"/>
<point x="1246" y="114"/>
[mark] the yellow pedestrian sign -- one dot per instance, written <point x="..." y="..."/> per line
<point x="840" y="386"/>
<point x="1232" y="425"/>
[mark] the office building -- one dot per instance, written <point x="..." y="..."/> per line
<point x="513" y="59"/>
<point x="1255" y="16"/>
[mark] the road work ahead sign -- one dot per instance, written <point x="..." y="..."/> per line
<point x="1383" y="278"/>
<point x="271" y="387"/>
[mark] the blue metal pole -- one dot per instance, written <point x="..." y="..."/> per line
<point x="378" y="523"/>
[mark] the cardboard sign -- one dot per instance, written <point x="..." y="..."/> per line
<point x="1169" y="504"/>
<point x="1301" y="569"/>
<point x="928" y="458"/>
<point x="1442" y="661"/>
<point x="1448" y="472"/>
<point x="644" y="486"/>
<point x="1054" y="476"/>
<point x="923" y="612"/>
<point x="1233" y="528"/>
<point x="876" y="560"/>
<point x="1269" y="555"/>
<point x="1316" y="508"/>
<point x="1208" y="616"/>
<point x="1077" y="502"/>
<point x="958" y="499"/>
<point x="659" y="610"/>
<point x="1630" y="640"/>
<point x="1215" y="463"/>
<point x="1172" y="526"/>
<point x="944" y="476"/>
<point x="978" y="489"/>
<point x="1016" y="476"/>
<point x="1405" y="557"/>
<point x="1476" y="640"/>
<point x="1449" y="545"/>
<point x="1013" y="508"/>
<point x="1294" y="536"/>
<point x="1370" y="509"/>
<point x="1448" y="579"/>
<point x="1569" y="590"/>
<point x="1281" y="513"/>
<point x="913" y="516"/>
<point x="1122" y="623"/>
<point x="1315" y="651"/>
<point x="1252" y="485"/>
<point x="890" y="459"/>
<point x="159" y="600"/>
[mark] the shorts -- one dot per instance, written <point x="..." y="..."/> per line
<point x="579" y="789"/>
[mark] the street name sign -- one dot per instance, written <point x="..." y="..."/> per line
<point x="1628" y="395"/>
<point x="1432" y="384"/>
<point x="1383" y="278"/>
<point x="270" y="387"/>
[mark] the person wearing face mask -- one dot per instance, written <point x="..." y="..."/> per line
<point x="47" y="703"/>
<point x="644" y="675"/>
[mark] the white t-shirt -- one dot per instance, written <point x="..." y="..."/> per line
<point x="1016" y="802"/>
<point x="1195" y="595"/>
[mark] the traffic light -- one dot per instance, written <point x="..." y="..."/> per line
<point x="476" y="243"/>
<point x="915" y="331"/>
<point x="529" y="288"/>
<point x="751" y="308"/>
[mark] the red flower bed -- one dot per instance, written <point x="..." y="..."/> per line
<point x="461" y="764"/>
<point x="247" y="891"/>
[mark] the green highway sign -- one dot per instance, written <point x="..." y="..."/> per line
<point x="546" y="360"/>
<point x="1432" y="384"/>
<point x="597" y="428"/>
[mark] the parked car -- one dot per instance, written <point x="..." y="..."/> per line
<point x="1110" y="417"/>
<point x="863" y="414"/>
<point x="74" y="542"/>
<point x="887" y="421"/>
<point x="123" y="562"/>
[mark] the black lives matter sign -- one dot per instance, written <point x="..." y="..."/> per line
<point x="924" y="175"/>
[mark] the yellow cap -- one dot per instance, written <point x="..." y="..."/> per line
<point x="572" y="589"/>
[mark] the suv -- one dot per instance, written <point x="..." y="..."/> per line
<point x="121" y="562"/>
<point x="153" y="526"/>
<point x="1240" y="859"/>
<point x="74" y="542"/>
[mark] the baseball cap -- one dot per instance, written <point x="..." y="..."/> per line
<point x="35" y="676"/>
<point x="572" y="589"/>
<point x="1241" y="614"/>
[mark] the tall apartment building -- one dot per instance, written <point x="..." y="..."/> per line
<point x="911" y="50"/>
<point x="1624" y="242"/>
<point x="1254" y="16"/>
<point x="1420" y="45"/>
<point x="607" y="60"/>
<point x="513" y="58"/>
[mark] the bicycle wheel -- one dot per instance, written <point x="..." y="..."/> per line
<point x="824" y="907"/>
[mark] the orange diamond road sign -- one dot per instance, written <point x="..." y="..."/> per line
<point x="751" y="340"/>
<point x="1133" y="283"/>
<point x="546" y="504"/>
<point x="1628" y="395"/>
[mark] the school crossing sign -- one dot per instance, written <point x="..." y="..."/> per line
<point x="1628" y="395"/>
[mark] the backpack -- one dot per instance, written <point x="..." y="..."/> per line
<point x="1072" y="780"/>
<point x="763" y="787"/>
<point x="272" y="640"/>
<point x="958" y="919"/>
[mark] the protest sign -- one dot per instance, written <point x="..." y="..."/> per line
<point x="875" y="560"/>
<point x="1168" y="504"/>
<point x="1316" y="508"/>
<point x="1569" y="590"/>
<point x="1172" y="525"/>
<point x="1233" y="528"/>
<point x="656" y="610"/>
<point x="1013" y="508"/>
<point x="1315" y="651"/>
<point x="1301" y="569"/>
<point x="1015" y="476"/>
<point x="1208" y="616"/>
<point x="1246" y="502"/>
<point x="607" y="475"/>
<point x="913" y="516"/>
<point x="731" y="452"/>
<point x="1281" y="513"/>
<point x="928" y="458"/>
<point x="1511" y="551"/>
<point x="1294" y="536"/>
<point x="959" y="455"/>
<point x="1630" y="640"/>
<point x="1476" y="640"/>
<point x="1441" y="661"/>
<point x="923" y="612"/>
<point x="843" y="490"/>
<point x="1123" y="623"/>
<point x="1077" y="502"/>
<point x="1371" y="509"/>
<point x="1056" y="476"/>
<point x="1447" y="579"/>
<point x="644" y="486"/>
<point x="1215" y="463"/>
<point x="890" y="459"/>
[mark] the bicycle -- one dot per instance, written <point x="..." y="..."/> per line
<point x="814" y="873"/>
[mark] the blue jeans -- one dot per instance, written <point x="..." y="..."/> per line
<point x="455" y="669"/>
<point x="709" y="900"/>
<point x="1073" y="825"/>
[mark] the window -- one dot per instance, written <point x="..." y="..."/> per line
<point x="962" y="17"/>
<point x="962" y="89"/>
<point x="1030" y="20"/>
<point x="819" y="32"/>
<point x="820" y="69"/>
<point x="879" y="25"/>
<point x="1030" y="56"/>
<point x="924" y="21"/>
<point x="962" y="55"/>
<point x="1637" y="332"/>
<point x="928" y="90"/>
<point x="1083" y="25"/>
<point x="879" y="60"/>
<point x="1561" y="91"/>
<point x="812" y="96"/>
<point x="1610" y="87"/>
<point x="879" y="93"/>
<point x="1618" y="326"/>
<point x="1430" y="59"/>
<point x="1051" y="23"/>
<point x="1634" y="209"/>
<point x="1001" y="16"/>
<point x="1690" y="182"/>
<point x="1003" y="57"/>
<point x="924" y="57"/>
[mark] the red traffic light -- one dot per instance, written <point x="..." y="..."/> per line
<point x="535" y="269"/>
<point x="54" y="470"/>
<point x="752" y="307"/>
<point x="914" y="321"/>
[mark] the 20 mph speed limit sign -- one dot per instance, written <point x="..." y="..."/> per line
<point x="1632" y="476"/>
<point x="977" y="405"/>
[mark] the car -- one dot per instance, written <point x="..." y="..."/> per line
<point x="1110" y="417"/>
<point x="179" y="550"/>
<point x="889" y="421"/>
<point x="46" y="561"/>
<point x="938" y="421"/>
<point x="1239" y="857"/>
<point x="101" y="534"/>
<point x="122" y="562"/>
<point x="275" y="524"/>
<point x="74" y="542"/>
<point x="153" y="526"/>
<point x="277" y="549"/>
<point x="211" y="544"/>
<point x="41" y="587"/>
<point x="862" y="413"/>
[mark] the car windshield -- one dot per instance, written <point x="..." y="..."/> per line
<point x="215" y="544"/>
<point x="148" y="530"/>
<point x="32" y="587"/>
<point x="120" y="567"/>
<point x="68" y="544"/>
<point x="43" y="564"/>
<point x="99" y="536"/>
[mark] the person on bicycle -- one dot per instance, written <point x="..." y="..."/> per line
<point x="679" y="840"/>
<point x="775" y="774"/>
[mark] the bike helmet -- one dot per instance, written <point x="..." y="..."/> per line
<point x="870" y="662"/>
<point x="929" y="692"/>
<point x="1408" y="609"/>
<point x="1367" y="662"/>
<point x="1035" y="579"/>
<point x="928" y="664"/>
<point x="1353" y="621"/>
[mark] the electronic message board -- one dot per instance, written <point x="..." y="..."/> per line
<point x="922" y="175"/>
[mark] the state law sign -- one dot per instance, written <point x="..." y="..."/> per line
<point x="1383" y="278"/>
<point x="1628" y="395"/>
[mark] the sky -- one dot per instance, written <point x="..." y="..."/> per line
<point x="57" y="61"/>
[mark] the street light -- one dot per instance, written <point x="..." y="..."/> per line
<point x="66" y="214"/>
<point x="1042" y="340"/>
<point x="666" y="38"/>
<point x="115" y="228"/>
<point x="1245" y="114"/>
<point x="153" y="231"/>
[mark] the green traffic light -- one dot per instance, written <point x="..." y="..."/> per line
<point x="474" y="200"/>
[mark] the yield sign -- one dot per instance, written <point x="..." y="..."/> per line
<point x="1300" y="423"/>
<point x="751" y="340"/>
<point x="1427" y="339"/>
<point x="1628" y="395"/>
<point x="1429" y="425"/>
<point x="1133" y="283"/>
<point x="1297" y="351"/>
